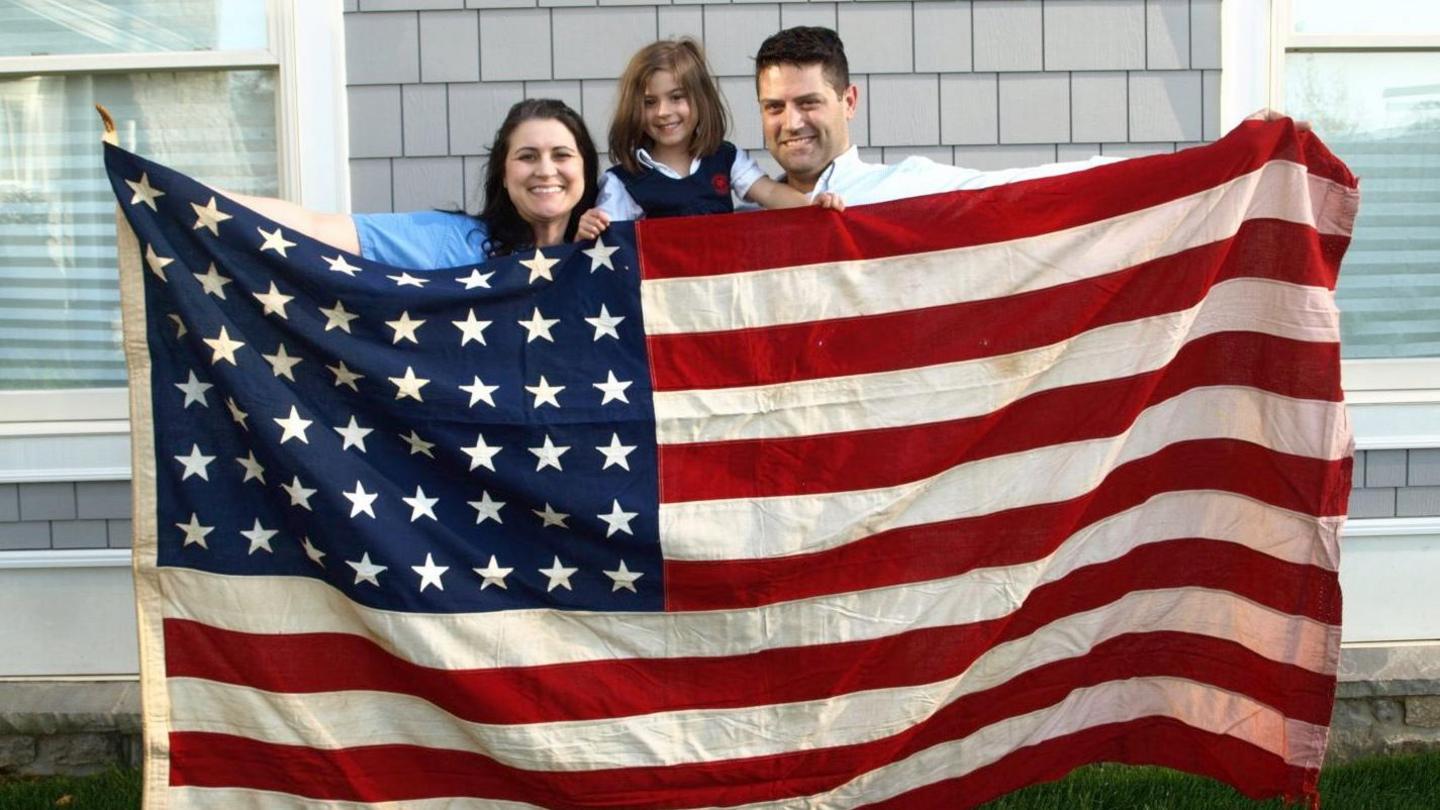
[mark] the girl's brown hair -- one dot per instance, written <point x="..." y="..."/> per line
<point x="686" y="61"/>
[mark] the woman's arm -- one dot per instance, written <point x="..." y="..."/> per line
<point x="336" y="230"/>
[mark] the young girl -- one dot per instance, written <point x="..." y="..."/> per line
<point x="667" y="140"/>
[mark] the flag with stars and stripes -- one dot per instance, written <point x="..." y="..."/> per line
<point x="905" y="507"/>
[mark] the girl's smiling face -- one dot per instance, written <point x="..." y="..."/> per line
<point x="544" y="174"/>
<point x="667" y="116"/>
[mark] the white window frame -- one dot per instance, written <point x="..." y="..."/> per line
<point x="83" y="434"/>
<point x="1394" y="403"/>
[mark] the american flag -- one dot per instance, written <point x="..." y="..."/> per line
<point x="905" y="507"/>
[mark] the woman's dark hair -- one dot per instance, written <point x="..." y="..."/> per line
<point x="508" y="232"/>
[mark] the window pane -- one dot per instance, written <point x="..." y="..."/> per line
<point x="1380" y="112"/>
<point x="1372" y="17"/>
<point x="37" y="27"/>
<point x="59" y="303"/>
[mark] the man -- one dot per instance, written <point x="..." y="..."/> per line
<point x="802" y="79"/>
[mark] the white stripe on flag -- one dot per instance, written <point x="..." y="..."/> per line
<point x="202" y="798"/>
<point x="1279" y="190"/>
<point x="1204" y="707"/>
<point x="778" y="526"/>
<point x="975" y="387"/>
<point x="347" y="719"/>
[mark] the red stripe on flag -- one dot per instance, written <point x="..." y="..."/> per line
<point x="695" y="246"/>
<point x="919" y="553"/>
<point x="1147" y="741"/>
<point x="403" y="772"/>
<point x="945" y="334"/>
<point x="281" y="663"/>
<point x="865" y="459"/>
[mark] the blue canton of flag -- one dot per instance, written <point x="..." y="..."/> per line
<point x="472" y="439"/>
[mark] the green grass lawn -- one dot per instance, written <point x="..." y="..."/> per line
<point x="1396" y="783"/>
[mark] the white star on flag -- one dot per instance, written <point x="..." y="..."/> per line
<point x="337" y="317"/>
<point x="180" y="330"/>
<point x="212" y="282"/>
<point x="623" y="578"/>
<point x="344" y="376"/>
<point x="274" y="301"/>
<point x="315" y="554"/>
<point x="253" y="470"/>
<point x="407" y="280"/>
<point x="293" y="426"/>
<point x="156" y="262"/>
<point x="480" y="392"/>
<point x="539" y="265"/>
<point x="605" y="323"/>
<point x="549" y="455"/>
<point x="600" y="255"/>
<point x="194" y="532"/>
<point x="550" y="517"/>
<point x="545" y="393"/>
<point x="144" y="192"/>
<point x="405" y="328"/>
<point x="339" y="265"/>
<point x="299" y="495"/>
<point x="493" y="574"/>
<point x="353" y="435"/>
<point x="418" y="445"/>
<point x="259" y="538"/>
<point x="421" y="505"/>
<point x="224" y="347"/>
<point x="237" y="415"/>
<point x="366" y="571"/>
<point x="476" y="279"/>
<point x="618" y="520"/>
<point x="195" y="464"/>
<point x="613" y="389"/>
<point x="481" y="454"/>
<point x="538" y="326"/>
<point x="486" y="508"/>
<point x="558" y="575"/>
<point x="281" y="363"/>
<point x="471" y="329"/>
<point x="409" y="385"/>
<point x="430" y="573"/>
<point x="616" y="454"/>
<point x="208" y="216"/>
<point x="275" y="241"/>
<point x="361" y="502"/>
<point x="194" y="390"/>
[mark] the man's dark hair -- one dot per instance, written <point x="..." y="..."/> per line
<point x="807" y="45"/>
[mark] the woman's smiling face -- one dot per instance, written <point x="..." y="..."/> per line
<point x="544" y="174"/>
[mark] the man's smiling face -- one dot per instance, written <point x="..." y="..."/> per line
<point x="807" y="123"/>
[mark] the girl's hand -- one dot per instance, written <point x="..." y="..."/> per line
<point x="829" y="199"/>
<point x="592" y="224"/>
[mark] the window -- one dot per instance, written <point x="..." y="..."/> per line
<point x="216" y="88"/>
<point x="1367" y="77"/>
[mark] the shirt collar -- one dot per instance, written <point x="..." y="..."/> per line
<point x="651" y="163"/>
<point x="846" y="160"/>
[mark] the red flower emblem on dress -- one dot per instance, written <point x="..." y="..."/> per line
<point x="721" y="183"/>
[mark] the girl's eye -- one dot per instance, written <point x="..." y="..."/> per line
<point x="649" y="102"/>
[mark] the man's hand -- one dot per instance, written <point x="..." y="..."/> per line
<point x="1267" y="114"/>
<point x="829" y="199"/>
<point x="592" y="224"/>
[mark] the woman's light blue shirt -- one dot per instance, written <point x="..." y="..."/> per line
<point x="422" y="240"/>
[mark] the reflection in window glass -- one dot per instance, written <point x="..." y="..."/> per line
<point x="42" y="27"/>
<point x="1371" y="17"/>
<point x="59" y="303"/>
<point x="1380" y="112"/>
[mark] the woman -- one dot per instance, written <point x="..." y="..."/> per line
<point x="540" y="177"/>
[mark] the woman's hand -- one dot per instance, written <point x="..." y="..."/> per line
<point x="829" y="199"/>
<point x="592" y="224"/>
